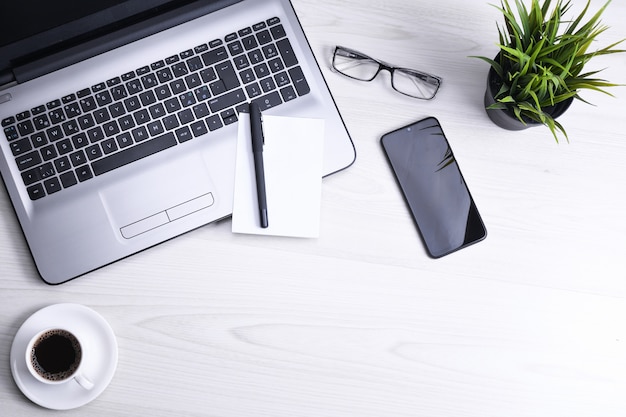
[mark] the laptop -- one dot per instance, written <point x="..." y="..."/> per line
<point x="119" y="117"/>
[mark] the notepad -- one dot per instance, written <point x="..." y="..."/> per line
<point x="293" y="159"/>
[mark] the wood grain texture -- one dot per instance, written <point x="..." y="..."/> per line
<point x="360" y="322"/>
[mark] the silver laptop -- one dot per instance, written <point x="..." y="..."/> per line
<point x="119" y="117"/>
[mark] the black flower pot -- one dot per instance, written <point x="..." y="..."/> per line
<point x="505" y="118"/>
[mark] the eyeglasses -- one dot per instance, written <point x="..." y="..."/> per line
<point x="407" y="81"/>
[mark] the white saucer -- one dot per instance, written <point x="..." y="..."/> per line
<point x="99" y="365"/>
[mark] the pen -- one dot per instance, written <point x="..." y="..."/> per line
<point x="256" y="127"/>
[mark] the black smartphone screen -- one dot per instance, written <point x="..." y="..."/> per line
<point x="433" y="187"/>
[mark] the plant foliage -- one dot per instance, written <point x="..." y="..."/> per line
<point x="542" y="58"/>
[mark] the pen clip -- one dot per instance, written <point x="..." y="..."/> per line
<point x="256" y="124"/>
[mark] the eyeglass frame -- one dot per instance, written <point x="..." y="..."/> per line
<point x="389" y="68"/>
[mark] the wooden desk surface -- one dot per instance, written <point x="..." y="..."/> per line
<point x="360" y="322"/>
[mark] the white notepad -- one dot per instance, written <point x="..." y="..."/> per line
<point x="293" y="159"/>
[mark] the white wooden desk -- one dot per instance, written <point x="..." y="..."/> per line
<point x="360" y="322"/>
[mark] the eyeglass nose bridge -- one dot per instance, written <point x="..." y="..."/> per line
<point x="383" y="66"/>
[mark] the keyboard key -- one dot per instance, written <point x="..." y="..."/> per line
<point x="185" y="116"/>
<point x="140" y="134"/>
<point x="147" y="98"/>
<point x="53" y="104"/>
<point x="199" y="128"/>
<point x="170" y="122"/>
<point x="259" y="26"/>
<point x="276" y="65"/>
<point x="36" y="192"/>
<point x="134" y="87"/>
<point x="119" y="92"/>
<point x="64" y="146"/>
<point x="109" y="146"/>
<point x="226" y="73"/>
<point x="247" y="76"/>
<point x="134" y="153"/>
<point x="114" y="81"/>
<point x="278" y="32"/>
<point x="86" y="121"/>
<point x="70" y="128"/>
<point x="56" y="116"/>
<point x="84" y="173"/>
<point x="179" y="69"/>
<point x="8" y="121"/>
<point x="54" y="133"/>
<point x="68" y="179"/>
<point x="214" y="56"/>
<point x="264" y="37"/>
<point x="208" y="75"/>
<point x="254" y="90"/>
<point x="187" y="99"/>
<point x="78" y="158"/>
<point x="183" y="134"/>
<point x="288" y="94"/>
<point x="268" y="101"/>
<point x="20" y="146"/>
<point x="155" y="128"/>
<point x="101" y="115"/>
<point x="220" y="103"/>
<point x="62" y="164"/>
<point x="48" y="153"/>
<point x="80" y="140"/>
<point x="282" y="79"/>
<point x="172" y="105"/>
<point x="286" y="51"/>
<point x="249" y="42"/>
<point x="41" y="122"/>
<point x="93" y="152"/>
<point x="25" y="127"/>
<point x="87" y="104"/>
<point x="83" y="93"/>
<point x="273" y="21"/>
<point x="104" y="98"/>
<point x="11" y="133"/>
<point x="95" y="135"/>
<point x="194" y="64"/>
<point x="52" y="185"/>
<point x="124" y="140"/>
<point x="164" y="75"/>
<point x="38" y="110"/>
<point x="39" y="139"/>
<point x="297" y="77"/>
<point x="28" y="160"/>
<point x="214" y="122"/>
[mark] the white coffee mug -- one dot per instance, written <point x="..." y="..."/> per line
<point x="55" y="356"/>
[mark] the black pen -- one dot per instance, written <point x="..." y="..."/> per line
<point x="256" y="127"/>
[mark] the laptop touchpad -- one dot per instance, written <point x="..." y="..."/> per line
<point x="158" y="196"/>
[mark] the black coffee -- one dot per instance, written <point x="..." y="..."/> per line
<point x="55" y="355"/>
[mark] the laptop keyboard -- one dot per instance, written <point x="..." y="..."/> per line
<point x="119" y="121"/>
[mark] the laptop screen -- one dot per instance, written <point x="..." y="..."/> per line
<point x="29" y="18"/>
<point x="33" y="29"/>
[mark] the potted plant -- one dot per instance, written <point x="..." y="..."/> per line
<point x="538" y="71"/>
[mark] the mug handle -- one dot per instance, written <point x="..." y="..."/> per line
<point x="83" y="381"/>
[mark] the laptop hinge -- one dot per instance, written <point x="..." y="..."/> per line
<point x="120" y="37"/>
<point x="6" y="80"/>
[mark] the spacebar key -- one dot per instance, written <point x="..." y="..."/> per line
<point x="133" y="154"/>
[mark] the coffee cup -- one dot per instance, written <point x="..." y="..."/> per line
<point x="55" y="356"/>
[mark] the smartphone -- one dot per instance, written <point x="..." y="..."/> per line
<point x="433" y="187"/>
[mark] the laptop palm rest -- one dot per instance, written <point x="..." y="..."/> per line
<point x="136" y="206"/>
